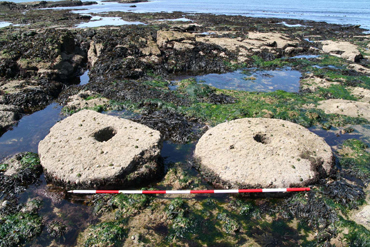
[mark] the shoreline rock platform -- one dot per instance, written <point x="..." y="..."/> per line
<point x="262" y="152"/>
<point x="92" y="148"/>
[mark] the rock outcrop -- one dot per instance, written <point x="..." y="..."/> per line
<point x="263" y="152"/>
<point x="89" y="148"/>
<point x="363" y="217"/>
<point x="342" y="49"/>
<point x="8" y="115"/>
<point x="345" y="107"/>
<point x="84" y="100"/>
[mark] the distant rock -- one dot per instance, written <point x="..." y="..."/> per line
<point x="261" y="152"/>
<point x="127" y="1"/>
<point x="89" y="148"/>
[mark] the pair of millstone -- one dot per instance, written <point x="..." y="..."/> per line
<point x="89" y="148"/>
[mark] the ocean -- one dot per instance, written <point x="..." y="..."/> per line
<point x="345" y="12"/>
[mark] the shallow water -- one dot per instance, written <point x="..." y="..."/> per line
<point x="5" y="24"/>
<point x="172" y="152"/>
<point x="98" y="21"/>
<point x="305" y="57"/>
<point x="334" y="138"/>
<point x="252" y="80"/>
<point x="84" y="78"/>
<point x="57" y="206"/>
<point x="356" y="12"/>
<point x="30" y="130"/>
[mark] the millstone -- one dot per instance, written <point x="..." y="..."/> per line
<point x="90" y="147"/>
<point x="263" y="152"/>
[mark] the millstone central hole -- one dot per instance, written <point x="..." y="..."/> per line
<point x="105" y="134"/>
<point x="262" y="138"/>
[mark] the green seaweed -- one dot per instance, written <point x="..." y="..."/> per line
<point x="106" y="234"/>
<point x="30" y="160"/>
<point x="3" y="167"/>
<point x="336" y="92"/>
<point x="261" y="63"/>
<point x="357" y="235"/>
<point x="16" y="229"/>
<point x="131" y="202"/>
<point x="358" y="160"/>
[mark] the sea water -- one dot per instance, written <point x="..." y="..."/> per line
<point x="345" y="12"/>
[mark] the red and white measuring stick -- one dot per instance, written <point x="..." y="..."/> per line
<point x="187" y="191"/>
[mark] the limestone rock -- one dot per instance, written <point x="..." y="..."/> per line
<point x="342" y="49"/>
<point x="18" y="86"/>
<point x="151" y="48"/>
<point x="363" y="216"/>
<point x="94" y="52"/>
<point x="82" y="101"/>
<point x="361" y="93"/>
<point x="164" y="37"/>
<point x="92" y="148"/>
<point x="359" y="68"/>
<point x="345" y="107"/>
<point x="313" y="83"/>
<point x="254" y="42"/>
<point x="8" y="115"/>
<point x="262" y="152"/>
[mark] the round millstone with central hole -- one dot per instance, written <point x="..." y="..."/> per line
<point x="90" y="147"/>
<point x="262" y="152"/>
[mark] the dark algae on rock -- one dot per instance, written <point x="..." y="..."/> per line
<point x="131" y="69"/>
<point x="20" y="222"/>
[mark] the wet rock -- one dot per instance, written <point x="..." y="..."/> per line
<point x="84" y="100"/>
<point x="342" y="192"/>
<point x="21" y="170"/>
<point x="35" y="96"/>
<point x="52" y="4"/>
<point x="32" y="206"/>
<point x="342" y="49"/>
<point x="90" y="148"/>
<point x="173" y="126"/>
<point x="56" y="228"/>
<point x="240" y="152"/>
<point x="214" y="98"/>
<point x="9" y="114"/>
<point x="345" y="107"/>
<point x="313" y="210"/>
<point x="50" y="53"/>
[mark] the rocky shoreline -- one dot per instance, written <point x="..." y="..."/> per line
<point x="131" y="68"/>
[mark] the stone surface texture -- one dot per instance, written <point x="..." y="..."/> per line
<point x="81" y="101"/>
<point x="342" y="49"/>
<point x="313" y="83"/>
<point x="345" y="107"/>
<point x="263" y="152"/>
<point x="363" y="217"/>
<point x="90" y="147"/>
<point x="362" y="94"/>
<point x="8" y="115"/>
